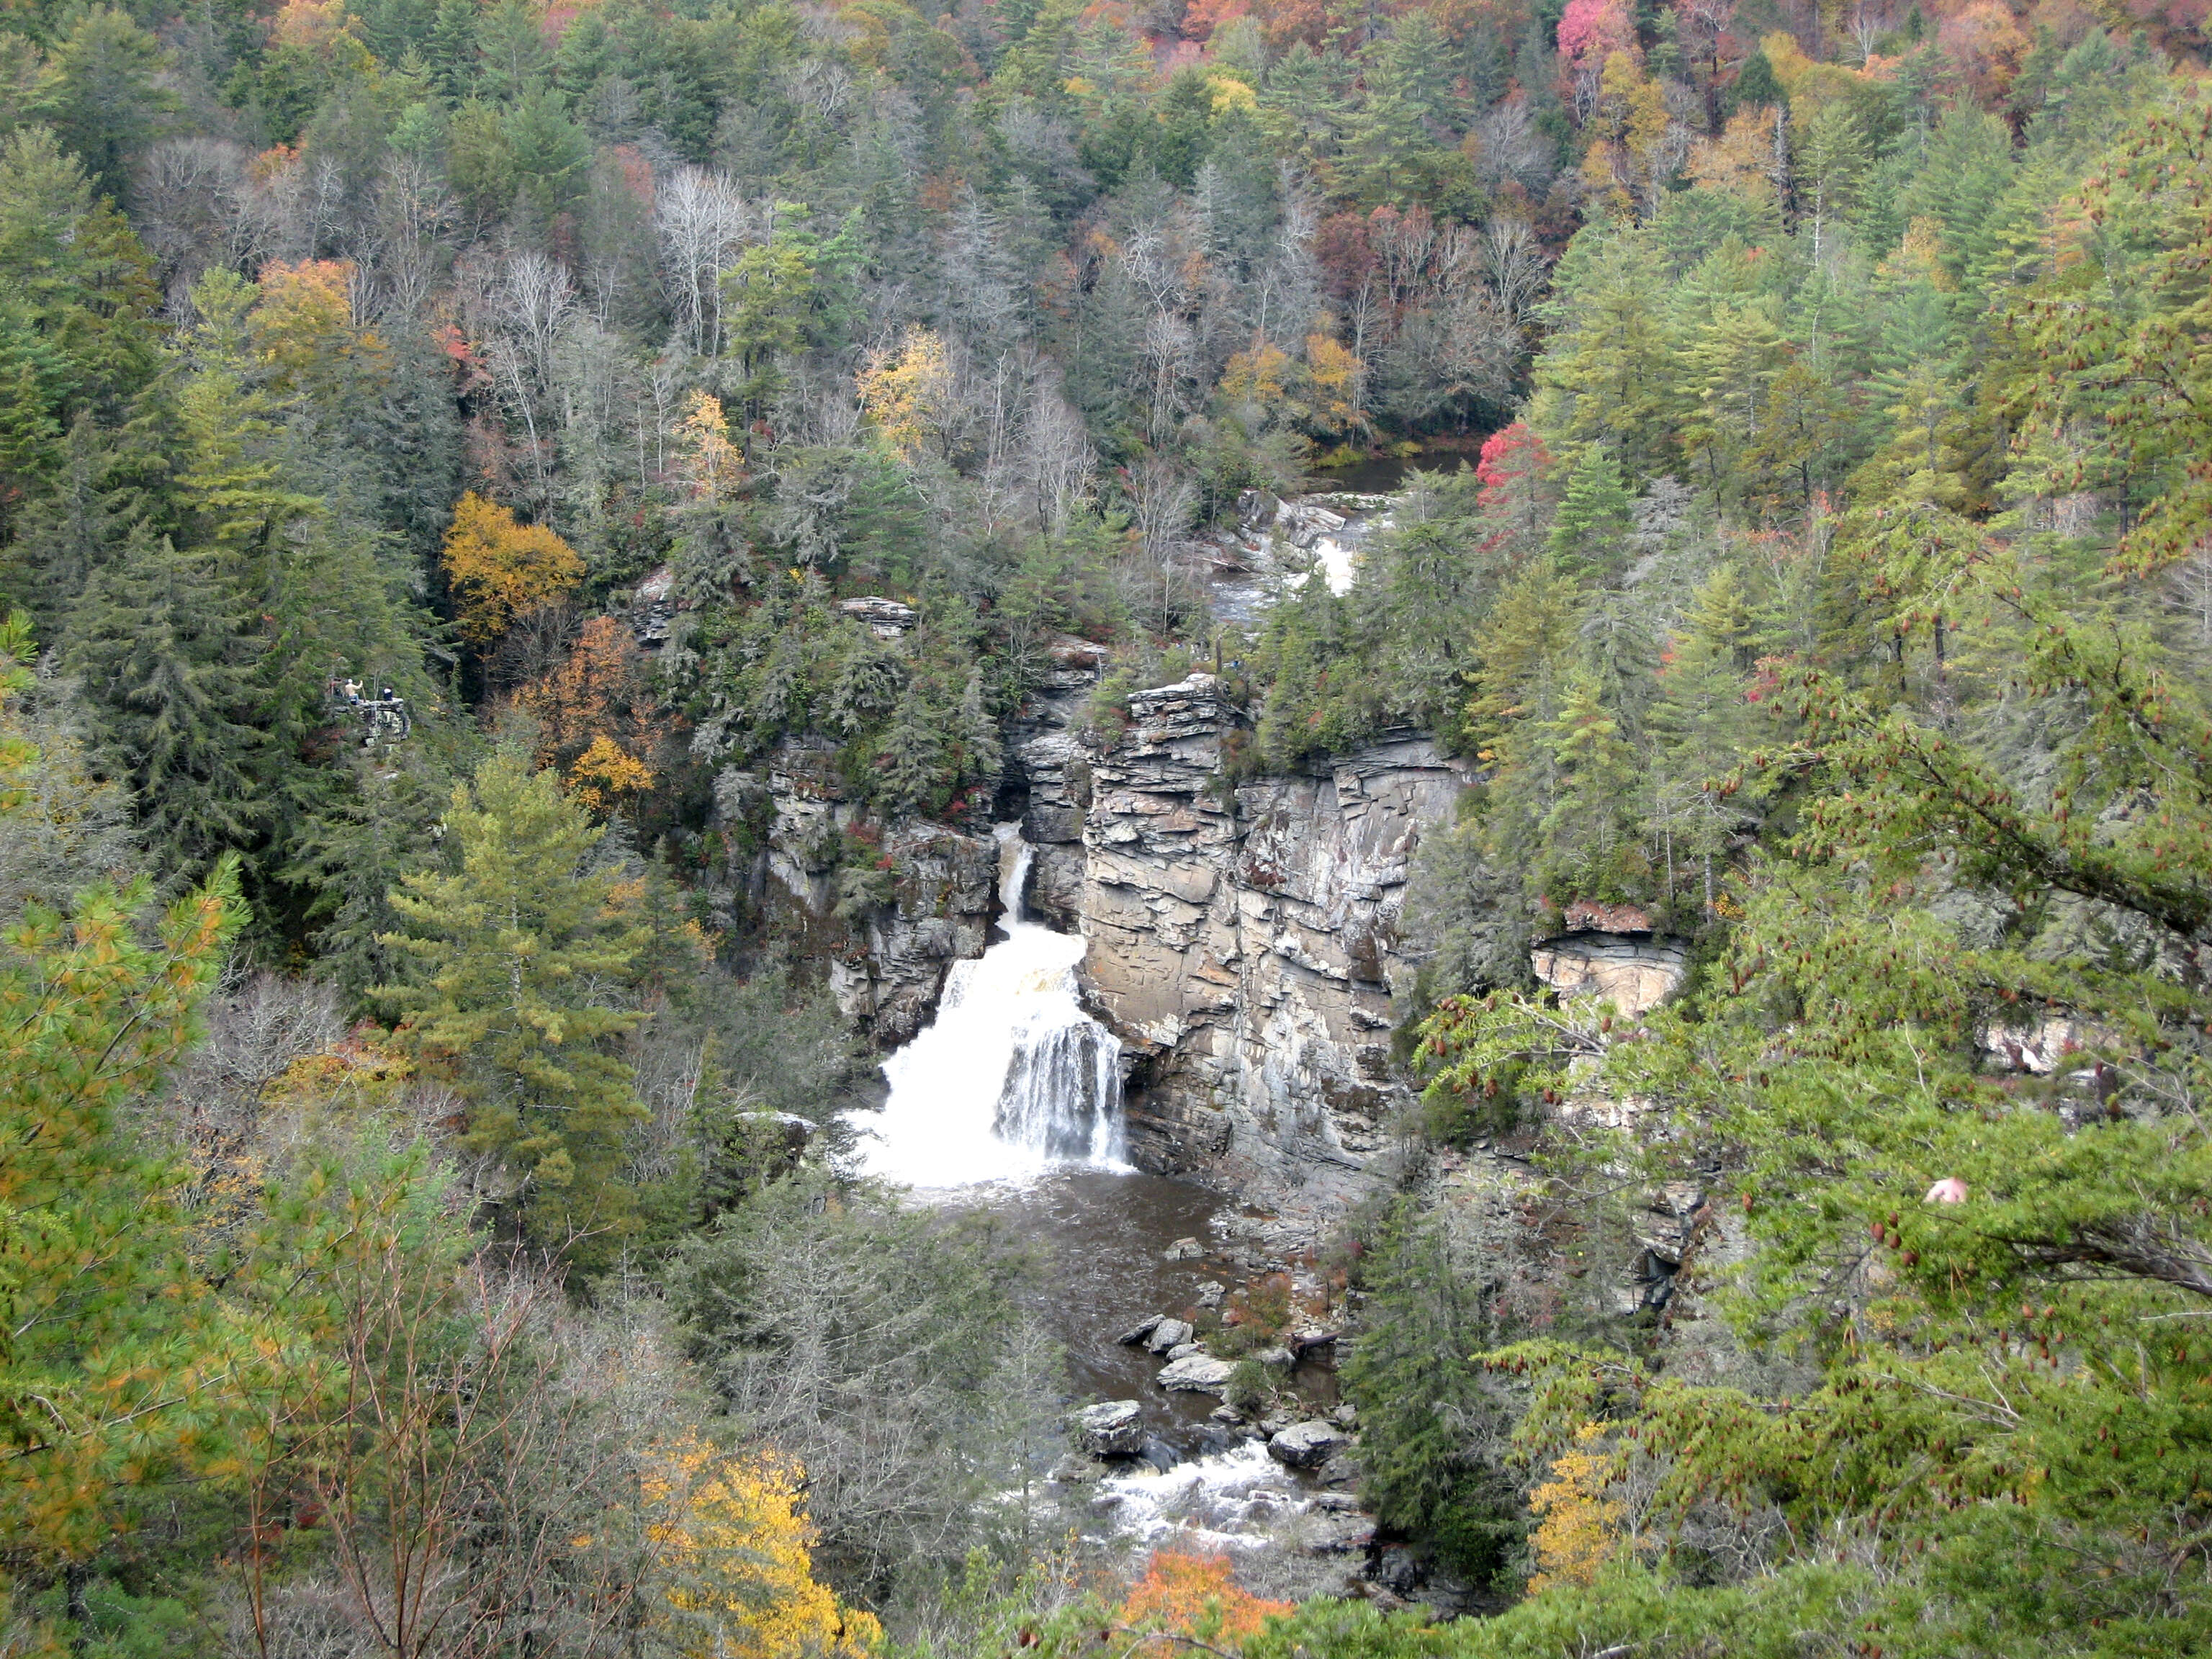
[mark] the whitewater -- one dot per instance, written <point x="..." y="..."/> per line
<point x="1012" y="1079"/>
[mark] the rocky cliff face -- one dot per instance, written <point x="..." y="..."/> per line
<point x="889" y="908"/>
<point x="1243" y="941"/>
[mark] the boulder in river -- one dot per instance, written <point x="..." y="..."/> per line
<point x="1197" y="1373"/>
<point x="1114" y="1429"/>
<point x="1303" y="1445"/>
<point x="1169" y="1333"/>
<point x="1075" y="1470"/>
<point x="1185" y="1249"/>
<point x="1338" y="1534"/>
<point x="1138" y="1332"/>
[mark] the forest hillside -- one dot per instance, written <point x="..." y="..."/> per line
<point x="537" y="542"/>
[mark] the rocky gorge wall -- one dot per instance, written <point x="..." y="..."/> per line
<point x="1244" y="940"/>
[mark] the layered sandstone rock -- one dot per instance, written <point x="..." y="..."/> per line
<point x="1243" y="942"/>
<point x="1635" y="972"/>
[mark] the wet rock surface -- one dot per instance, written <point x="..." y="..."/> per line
<point x="1306" y="1445"/>
<point x="1197" y="1373"/>
<point x="1115" y="1428"/>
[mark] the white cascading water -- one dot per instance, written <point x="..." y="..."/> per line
<point x="1012" y="1077"/>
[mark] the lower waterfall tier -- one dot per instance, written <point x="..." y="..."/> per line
<point x="1012" y="1077"/>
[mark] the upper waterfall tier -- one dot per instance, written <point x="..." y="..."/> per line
<point x="1012" y="1077"/>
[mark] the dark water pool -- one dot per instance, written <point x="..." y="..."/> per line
<point x="1100" y="1240"/>
<point x="1380" y="475"/>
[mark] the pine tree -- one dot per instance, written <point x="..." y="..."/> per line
<point x="519" y="954"/>
<point x="101" y="93"/>
<point x="1421" y="1403"/>
<point x="1703" y="724"/>
<point x="351" y="850"/>
<point x="1585" y="829"/>
<point x="76" y="331"/>
<point x="168" y="649"/>
<point x="915" y="772"/>
<point x="453" y="48"/>
<point x="1592" y="514"/>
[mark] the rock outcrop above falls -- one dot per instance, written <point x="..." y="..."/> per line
<point x="1244" y="939"/>
<point x="1634" y="972"/>
<point x="889" y="907"/>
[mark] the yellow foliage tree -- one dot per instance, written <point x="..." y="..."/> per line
<point x="1580" y="1525"/>
<point x="1333" y="374"/>
<point x="302" y="326"/>
<point x="712" y="463"/>
<point x="605" y="773"/>
<point x="906" y="392"/>
<point x="1629" y="128"/>
<point x="733" y="1548"/>
<point x="501" y="570"/>
<point x="1261" y="376"/>
<point x="1742" y="160"/>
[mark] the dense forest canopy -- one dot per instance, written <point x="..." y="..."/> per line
<point x="439" y="441"/>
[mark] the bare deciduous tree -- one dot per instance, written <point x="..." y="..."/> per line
<point x="701" y="222"/>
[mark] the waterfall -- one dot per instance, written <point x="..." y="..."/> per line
<point x="1012" y="1077"/>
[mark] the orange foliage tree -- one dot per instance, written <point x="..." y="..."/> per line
<point x="500" y="569"/>
<point x="1183" y="1593"/>
<point x="597" y="718"/>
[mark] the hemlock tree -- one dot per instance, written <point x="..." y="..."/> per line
<point x="525" y="956"/>
<point x="165" y="645"/>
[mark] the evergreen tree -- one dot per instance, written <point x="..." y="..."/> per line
<point x="99" y="93"/>
<point x="519" y="954"/>
<point x="119" y="1369"/>
<point x="168" y="649"/>
<point x="1432" y="1435"/>
<point x="1592" y="514"/>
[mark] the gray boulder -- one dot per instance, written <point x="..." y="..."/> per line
<point x="1304" y="1446"/>
<point x="1139" y="1331"/>
<point x="1114" y="1429"/>
<point x="1169" y="1333"/>
<point x="1197" y="1373"/>
<point x="1185" y="1249"/>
